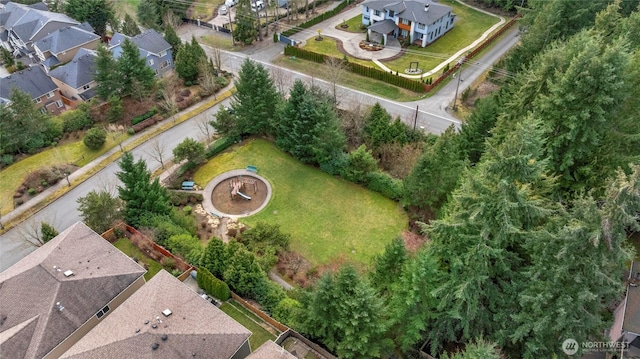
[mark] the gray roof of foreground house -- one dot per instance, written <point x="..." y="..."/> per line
<point x="149" y="41"/>
<point x="139" y="329"/>
<point x="66" y="38"/>
<point x="31" y="324"/>
<point x="412" y="9"/>
<point x="27" y="21"/>
<point x="270" y="350"/>
<point x="32" y="80"/>
<point x="79" y="71"/>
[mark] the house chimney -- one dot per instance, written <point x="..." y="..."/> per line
<point x="426" y="7"/>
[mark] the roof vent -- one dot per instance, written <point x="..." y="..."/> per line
<point x="154" y="326"/>
<point x="155" y="346"/>
<point x="59" y="306"/>
<point x="166" y="312"/>
<point x="164" y="337"/>
<point x="426" y="7"/>
<point x="137" y="330"/>
<point x="57" y="268"/>
<point x="68" y="273"/>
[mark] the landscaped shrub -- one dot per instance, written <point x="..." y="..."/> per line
<point x="336" y="164"/>
<point x="385" y="184"/>
<point x="136" y="120"/>
<point x="31" y="191"/>
<point x="187" y="210"/>
<point x="179" y="198"/>
<point x="268" y="294"/>
<point x="360" y="164"/>
<point x="95" y="138"/>
<point x="6" y="159"/>
<point x="220" y="145"/>
<point x="186" y="246"/>
<point x="212" y="285"/>
<point x="74" y="120"/>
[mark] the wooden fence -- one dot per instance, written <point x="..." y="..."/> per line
<point x="274" y="323"/>
<point x="315" y="347"/>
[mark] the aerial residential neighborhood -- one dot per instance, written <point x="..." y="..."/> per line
<point x="435" y="179"/>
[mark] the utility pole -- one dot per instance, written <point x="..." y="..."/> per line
<point x="415" y="119"/>
<point x="231" y="27"/>
<point x="455" y="98"/>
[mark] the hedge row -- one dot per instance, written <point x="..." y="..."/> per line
<point x="146" y="123"/>
<point x="356" y="68"/>
<point x="212" y="285"/>
<point x="136" y="120"/>
<point x="220" y="145"/>
<point x="316" y="20"/>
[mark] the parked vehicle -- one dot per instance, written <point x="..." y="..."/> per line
<point x="257" y="5"/>
<point x="223" y="10"/>
<point x="230" y="3"/>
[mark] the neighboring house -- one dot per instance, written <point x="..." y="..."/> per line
<point x="63" y="44"/>
<point x="626" y="317"/>
<point x="21" y="26"/>
<point x="75" y="79"/>
<point x="271" y="350"/>
<point x="153" y="47"/>
<point x="420" y="21"/>
<point x="55" y="295"/>
<point x="165" y="319"/>
<point x="35" y="82"/>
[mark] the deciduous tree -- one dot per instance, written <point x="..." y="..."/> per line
<point x="191" y="150"/>
<point x="99" y="210"/>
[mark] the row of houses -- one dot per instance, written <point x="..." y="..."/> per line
<point x="59" y="53"/>
<point x="78" y="296"/>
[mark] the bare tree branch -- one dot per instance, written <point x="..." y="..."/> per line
<point x="158" y="150"/>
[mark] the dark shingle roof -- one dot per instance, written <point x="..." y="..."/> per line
<point x="384" y="26"/>
<point x="149" y="41"/>
<point x="65" y="39"/>
<point x="270" y="350"/>
<point x="412" y="10"/>
<point x="79" y="71"/>
<point x="32" y="80"/>
<point x="195" y="328"/>
<point x="28" y="21"/>
<point x="32" y="324"/>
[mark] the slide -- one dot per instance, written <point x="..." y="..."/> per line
<point x="243" y="195"/>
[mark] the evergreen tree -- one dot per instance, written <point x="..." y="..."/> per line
<point x="107" y="76"/>
<point x="149" y="14"/>
<point x="214" y="257"/>
<point x="436" y="173"/>
<point x="48" y="232"/>
<point x="309" y="128"/>
<point x="188" y="58"/>
<point x="243" y="273"/>
<point x="141" y="196"/>
<point x="388" y="266"/>
<point x="256" y="99"/>
<point x="225" y="123"/>
<point x="98" y="13"/>
<point x="137" y="75"/>
<point x="345" y="313"/>
<point x="172" y="38"/>
<point x="477" y="128"/>
<point x="377" y="126"/>
<point x="360" y="164"/>
<point x="130" y="27"/>
<point x="245" y="31"/>
<point x="190" y="150"/>
<point x="478" y="349"/>
<point x="499" y="204"/>
<point x="99" y="210"/>
<point x="22" y="125"/>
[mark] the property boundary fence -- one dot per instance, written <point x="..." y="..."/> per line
<point x="274" y="323"/>
<point x="292" y="333"/>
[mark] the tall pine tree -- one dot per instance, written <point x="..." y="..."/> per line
<point x="256" y="99"/>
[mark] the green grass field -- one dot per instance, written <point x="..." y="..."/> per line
<point x="354" y="24"/>
<point x="203" y="9"/>
<point x="11" y="177"/>
<point x="129" y="249"/>
<point x="259" y="336"/>
<point x="329" y="218"/>
<point x="469" y="26"/>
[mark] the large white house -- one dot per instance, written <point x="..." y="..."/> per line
<point x="420" y="21"/>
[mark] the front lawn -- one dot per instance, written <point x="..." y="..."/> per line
<point x="128" y="248"/>
<point x="329" y="218"/>
<point x="203" y="9"/>
<point x="469" y="26"/>
<point x="353" y="25"/>
<point x="76" y="152"/>
<point x="260" y="335"/>
<point x="329" y="46"/>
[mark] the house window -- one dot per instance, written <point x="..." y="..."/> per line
<point x="404" y="33"/>
<point x="43" y="110"/>
<point x="391" y="13"/>
<point x="165" y="64"/>
<point x="421" y="26"/>
<point x="163" y="54"/>
<point x="376" y="12"/>
<point x="102" y="312"/>
<point x="59" y="103"/>
<point x="37" y="100"/>
<point x="405" y="21"/>
<point x="150" y="62"/>
<point x="50" y="94"/>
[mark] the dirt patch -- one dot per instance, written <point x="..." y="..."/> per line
<point x="225" y="202"/>
<point x="413" y="241"/>
<point x="483" y="90"/>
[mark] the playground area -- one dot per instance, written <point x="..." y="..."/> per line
<point x="238" y="193"/>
